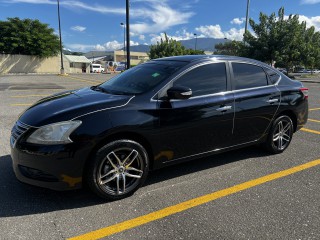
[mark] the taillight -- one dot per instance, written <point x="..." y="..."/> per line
<point x="305" y="92"/>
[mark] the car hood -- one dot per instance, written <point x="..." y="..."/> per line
<point x="69" y="105"/>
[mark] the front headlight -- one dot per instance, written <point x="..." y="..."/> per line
<point x="56" y="133"/>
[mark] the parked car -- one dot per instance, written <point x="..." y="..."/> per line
<point x="283" y="70"/>
<point x="96" y="68"/>
<point x="156" y="114"/>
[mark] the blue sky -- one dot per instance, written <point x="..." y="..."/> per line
<point x="95" y="24"/>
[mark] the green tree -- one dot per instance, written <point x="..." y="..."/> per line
<point x="28" y="37"/>
<point x="311" y="48"/>
<point x="286" y="41"/>
<point x="291" y="43"/>
<point x="232" y="48"/>
<point x="169" y="47"/>
<point x="264" y="44"/>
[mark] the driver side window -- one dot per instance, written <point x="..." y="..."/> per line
<point x="205" y="79"/>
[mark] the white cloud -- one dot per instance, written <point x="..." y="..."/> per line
<point x="213" y="31"/>
<point x="310" y="1"/>
<point x="238" y="21"/>
<point x="31" y="1"/>
<point x="179" y="35"/>
<point x="142" y="37"/>
<point x="182" y="35"/>
<point x="234" y="34"/>
<point x="112" y="45"/>
<point x="132" y="43"/>
<point x="73" y="4"/>
<point x="99" y="47"/>
<point x="311" y="21"/>
<point x="80" y="47"/>
<point x="78" y="28"/>
<point x="154" y="16"/>
<point x="154" y="38"/>
<point x="108" y="46"/>
<point x="158" y="18"/>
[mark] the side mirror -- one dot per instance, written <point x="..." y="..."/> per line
<point x="179" y="92"/>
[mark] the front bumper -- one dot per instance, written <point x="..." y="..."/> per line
<point x="57" y="167"/>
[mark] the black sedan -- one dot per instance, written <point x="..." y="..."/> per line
<point x="159" y="113"/>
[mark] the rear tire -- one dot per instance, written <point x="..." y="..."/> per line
<point x="118" y="169"/>
<point x="280" y="135"/>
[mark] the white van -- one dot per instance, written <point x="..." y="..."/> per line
<point x="96" y="68"/>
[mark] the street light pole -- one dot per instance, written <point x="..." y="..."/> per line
<point x="124" y="41"/>
<point x="247" y="16"/>
<point x="61" y="57"/>
<point x="128" y="33"/>
<point x="195" y="44"/>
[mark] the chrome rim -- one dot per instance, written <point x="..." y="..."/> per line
<point x="282" y="134"/>
<point x="120" y="171"/>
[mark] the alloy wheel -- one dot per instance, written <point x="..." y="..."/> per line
<point x="282" y="134"/>
<point x="120" y="171"/>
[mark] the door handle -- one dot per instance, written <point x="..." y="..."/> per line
<point x="273" y="100"/>
<point x="224" y="108"/>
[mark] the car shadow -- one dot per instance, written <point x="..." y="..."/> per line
<point x="200" y="164"/>
<point x="19" y="199"/>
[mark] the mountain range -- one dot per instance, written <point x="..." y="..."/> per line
<point x="205" y="44"/>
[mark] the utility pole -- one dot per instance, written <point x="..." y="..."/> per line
<point x="128" y="33"/>
<point x="124" y="41"/>
<point x="62" y="69"/>
<point x="247" y="16"/>
<point x="195" y="44"/>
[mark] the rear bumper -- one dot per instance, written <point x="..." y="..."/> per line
<point x="302" y="114"/>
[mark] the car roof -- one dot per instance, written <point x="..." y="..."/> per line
<point x="193" y="58"/>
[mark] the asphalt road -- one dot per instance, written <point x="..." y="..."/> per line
<point x="285" y="205"/>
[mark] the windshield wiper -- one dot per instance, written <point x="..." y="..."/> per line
<point x="114" y="92"/>
<point x="99" y="89"/>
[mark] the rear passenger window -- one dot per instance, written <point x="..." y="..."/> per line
<point x="248" y="76"/>
<point x="206" y="79"/>
<point x="273" y="76"/>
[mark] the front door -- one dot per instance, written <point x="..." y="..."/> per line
<point x="202" y="123"/>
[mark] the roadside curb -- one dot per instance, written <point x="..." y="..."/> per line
<point x="308" y="81"/>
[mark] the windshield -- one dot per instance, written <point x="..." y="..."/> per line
<point x="141" y="78"/>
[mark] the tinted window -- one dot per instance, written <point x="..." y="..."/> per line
<point x="206" y="79"/>
<point x="248" y="76"/>
<point x="141" y="78"/>
<point x="273" y="76"/>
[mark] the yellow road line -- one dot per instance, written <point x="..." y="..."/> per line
<point x="24" y="96"/>
<point x="310" y="130"/>
<point x="314" y="109"/>
<point x="132" y="223"/>
<point x="21" y="104"/>
<point x="19" y="90"/>
<point x="82" y="80"/>
<point x="313" y="120"/>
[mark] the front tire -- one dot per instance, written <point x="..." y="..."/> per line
<point x="118" y="169"/>
<point x="280" y="135"/>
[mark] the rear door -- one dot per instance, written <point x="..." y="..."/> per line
<point x="256" y="102"/>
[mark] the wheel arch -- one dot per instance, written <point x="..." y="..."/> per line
<point x="292" y="116"/>
<point x="122" y="135"/>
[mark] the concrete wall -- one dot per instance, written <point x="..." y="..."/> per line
<point x="31" y="64"/>
<point x="135" y="57"/>
<point x="77" y="68"/>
